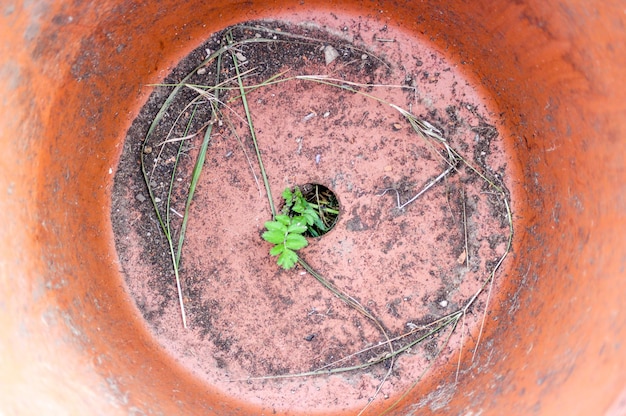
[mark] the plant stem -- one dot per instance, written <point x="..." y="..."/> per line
<point x="348" y="299"/>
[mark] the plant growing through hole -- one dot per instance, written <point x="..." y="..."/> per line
<point x="298" y="217"/>
<point x="286" y="234"/>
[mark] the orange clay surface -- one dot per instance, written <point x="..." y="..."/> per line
<point x="409" y="267"/>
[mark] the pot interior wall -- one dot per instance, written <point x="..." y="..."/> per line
<point x="71" y="84"/>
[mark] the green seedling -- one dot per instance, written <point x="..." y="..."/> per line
<point x="296" y="204"/>
<point x="287" y="232"/>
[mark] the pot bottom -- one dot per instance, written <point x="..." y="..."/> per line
<point x="418" y="237"/>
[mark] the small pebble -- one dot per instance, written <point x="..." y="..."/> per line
<point x="309" y="337"/>
<point x="330" y="54"/>
<point x="147" y="150"/>
<point x="140" y="198"/>
<point x="443" y="303"/>
<point x="201" y="71"/>
<point x="397" y="126"/>
<point x="462" y="257"/>
<point x="364" y="56"/>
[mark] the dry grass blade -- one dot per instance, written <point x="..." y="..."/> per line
<point x="443" y="323"/>
<point x="245" y="153"/>
<point x="452" y="325"/>
<point x="429" y="133"/>
<point x="244" y="101"/>
<point x="175" y="253"/>
<point x="434" y="137"/>
<point x="349" y="300"/>
<point x="428" y="186"/>
<point x="467" y="253"/>
<point x="492" y="276"/>
<point x="195" y="177"/>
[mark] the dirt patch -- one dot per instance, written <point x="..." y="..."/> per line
<point x="408" y="266"/>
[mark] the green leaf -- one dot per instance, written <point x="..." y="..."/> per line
<point x="288" y="196"/>
<point x="274" y="236"/>
<point x="310" y="212"/>
<point x="298" y="219"/>
<point x="310" y="219"/>
<point x="297" y="226"/>
<point x="277" y="249"/>
<point x="298" y="207"/>
<point x="275" y="225"/>
<point x="284" y="219"/>
<point x="295" y="241"/>
<point x="287" y="259"/>
<point x="320" y="224"/>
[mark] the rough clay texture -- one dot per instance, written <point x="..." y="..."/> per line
<point x="246" y="316"/>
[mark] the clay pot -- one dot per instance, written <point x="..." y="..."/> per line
<point x="71" y="340"/>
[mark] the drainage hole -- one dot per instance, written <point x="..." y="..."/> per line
<point x="316" y="203"/>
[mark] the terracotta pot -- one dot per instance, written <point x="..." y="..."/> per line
<point x="71" y="341"/>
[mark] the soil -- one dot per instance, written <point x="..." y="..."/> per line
<point x="249" y="318"/>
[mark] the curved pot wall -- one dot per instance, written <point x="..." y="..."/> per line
<point x="71" y="77"/>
